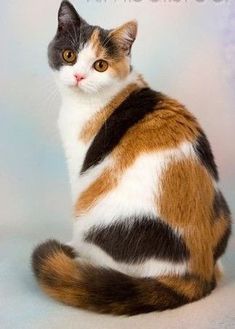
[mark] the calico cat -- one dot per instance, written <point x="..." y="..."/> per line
<point x="150" y="222"/>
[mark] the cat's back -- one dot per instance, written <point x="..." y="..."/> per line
<point x="145" y="122"/>
<point x="153" y="122"/>
<point x="132" y="148"/>
<point x="148" y="162"/>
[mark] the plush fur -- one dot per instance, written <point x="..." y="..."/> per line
<point x="150" y="222"/>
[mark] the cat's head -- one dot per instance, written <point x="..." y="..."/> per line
<point x="86" y="57"/>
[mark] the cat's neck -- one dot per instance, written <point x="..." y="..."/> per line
<point x="88" y="103"/>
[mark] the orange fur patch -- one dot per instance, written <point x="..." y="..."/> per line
<point x="60" y="266"/>
<point x="186" y="204"/>
<point x="101" y="186"/>
<point x="120" y="68"/>
<point x="190" y="287"/>
<point x="165" y="128"/>
<point x="99" y="50"/>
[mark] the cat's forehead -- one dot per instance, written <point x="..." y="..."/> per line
<point x="76" y="38"/>
<point x="95" y="36"/>
<point x="102" y="41"/>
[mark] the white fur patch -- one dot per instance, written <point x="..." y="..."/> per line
<point x="150" y="268"/>
<point x="138" y="188"/>
<point x="220" y="265"/>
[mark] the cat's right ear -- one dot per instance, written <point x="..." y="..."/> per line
<point x="68" y="15"/>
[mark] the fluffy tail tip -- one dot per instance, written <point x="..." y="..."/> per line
<point x="46" y="251"/>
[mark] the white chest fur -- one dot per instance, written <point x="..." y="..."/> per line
<point x="76" y="109"/>
<point x="74" y="113"/>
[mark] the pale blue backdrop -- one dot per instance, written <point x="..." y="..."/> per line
<point x="184" y="48"/>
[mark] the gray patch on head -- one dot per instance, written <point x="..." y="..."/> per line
<point x="72" y="33"/>
<point x="73" y="37"/>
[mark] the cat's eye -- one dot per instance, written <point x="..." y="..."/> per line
<point x="101" y="65"/>
<point x="69" y="56"/>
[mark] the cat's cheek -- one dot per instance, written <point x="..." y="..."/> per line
<point x="104" y="79"/>
<point x="120" y="69"/>
<point x="66" y="76"/>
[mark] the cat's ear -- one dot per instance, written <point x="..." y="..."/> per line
<point x="125" y="35"/>
<point x="68" y="15"/>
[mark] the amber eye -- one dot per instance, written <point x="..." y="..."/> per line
<point x="69" y="56"/>
<point x="101" y="65"/>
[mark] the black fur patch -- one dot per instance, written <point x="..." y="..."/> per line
<point x="111" y="290"/>
<point x="204" y="152"/>
<point x="136" y="240"/>
<point x="134" y="108"/>
<point x="221" y="209"/>
<point x="222" y="244"/>
<point x="220" y="206"/>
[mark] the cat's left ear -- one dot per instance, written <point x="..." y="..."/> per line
<point x="125" y="35"/>
<point x="68" y="15"/>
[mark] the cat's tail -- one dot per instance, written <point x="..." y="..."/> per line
<point x="108" y="291"/>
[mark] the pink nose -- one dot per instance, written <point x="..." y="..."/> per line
<point x="79" y="77"/>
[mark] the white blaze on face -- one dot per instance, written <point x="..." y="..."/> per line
<point x="94" y="81"/>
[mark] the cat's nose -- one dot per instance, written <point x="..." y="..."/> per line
<point x="79" y="77"/>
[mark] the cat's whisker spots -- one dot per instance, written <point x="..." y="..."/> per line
<point x="91" y="87"/>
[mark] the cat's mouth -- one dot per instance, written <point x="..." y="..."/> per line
<point x="80" y="84"/>
<point x="84" y="87"/>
